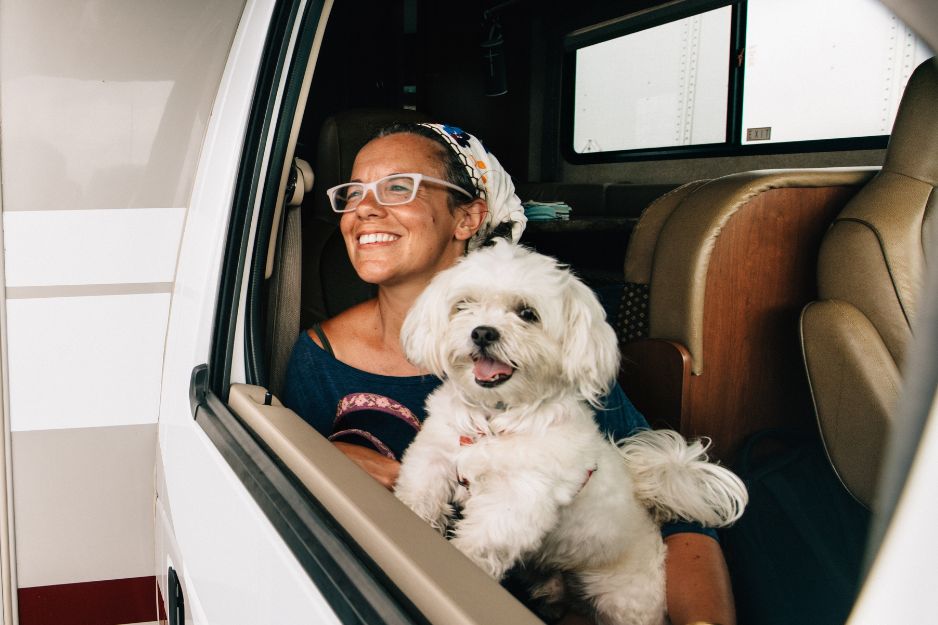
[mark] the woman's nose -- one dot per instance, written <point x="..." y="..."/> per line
<point x="369" y="206"/>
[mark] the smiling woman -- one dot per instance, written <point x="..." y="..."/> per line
<point x="397" y="241"/>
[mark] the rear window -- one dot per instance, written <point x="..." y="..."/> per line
<point x="739" y="76"/>
<point x="839" y="74"/>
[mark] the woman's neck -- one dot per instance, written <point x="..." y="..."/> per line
<point x="391" y="307"/>
<point x="379" y="328"/>
<point x="368" y="336"/>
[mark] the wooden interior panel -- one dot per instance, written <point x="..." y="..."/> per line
<point x="761" y="273"/>
<point x="654" y="375"/>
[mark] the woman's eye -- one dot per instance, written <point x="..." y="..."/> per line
<point x="528" y="314"/>
<point x="398" y="188"/>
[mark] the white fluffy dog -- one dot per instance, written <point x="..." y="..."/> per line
<point x="510" y="439"/>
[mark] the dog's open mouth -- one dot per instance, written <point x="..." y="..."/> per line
<point x="490" y="372"/>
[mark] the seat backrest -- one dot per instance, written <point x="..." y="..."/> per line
<point x="330" y="284"/>
<point x="716" y="274"/>
<point x="870" y="274"/>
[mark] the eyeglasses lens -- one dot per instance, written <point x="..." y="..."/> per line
<point x="347" y="197"/>
<point x="396" y="189"/>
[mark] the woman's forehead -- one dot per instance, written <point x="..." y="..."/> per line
<point x="397" y="153"/>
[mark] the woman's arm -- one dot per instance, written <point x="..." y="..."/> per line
<point x="698" y="582"/>
<point x="378" y="466"/>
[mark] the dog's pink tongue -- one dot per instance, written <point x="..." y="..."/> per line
<point x="487" y="369"/>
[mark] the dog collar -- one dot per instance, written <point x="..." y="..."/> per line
<point x="589" y="474"/>
<point x="470" y="439"/>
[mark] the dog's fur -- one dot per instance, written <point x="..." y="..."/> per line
<point x="510" y="439"/>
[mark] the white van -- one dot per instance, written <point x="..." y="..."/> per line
<point x="160" y="169"/>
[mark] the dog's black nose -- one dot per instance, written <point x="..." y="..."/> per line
<point x="484" y="335"/>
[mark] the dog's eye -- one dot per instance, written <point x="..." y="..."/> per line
<point x="461" y="305"/>
<point x="528" y="314"/>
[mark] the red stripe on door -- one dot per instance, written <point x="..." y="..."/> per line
<point x="106" y="602"/>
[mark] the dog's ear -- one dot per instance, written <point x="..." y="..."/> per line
<point x="425" y="325"/>
<point x="591" y="349"/>
<point x="501" y="232"/>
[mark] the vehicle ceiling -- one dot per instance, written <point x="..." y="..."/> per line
<point x="365" y="61"/>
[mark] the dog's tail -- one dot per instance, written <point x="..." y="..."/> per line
<point x="674" y="479"/>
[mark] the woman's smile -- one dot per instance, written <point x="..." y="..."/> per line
<point x="373" y="238"/>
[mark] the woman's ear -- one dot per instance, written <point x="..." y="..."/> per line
<point x="471" y="217"/>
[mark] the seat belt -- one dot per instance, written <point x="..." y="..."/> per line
<point x="286" y="278"/>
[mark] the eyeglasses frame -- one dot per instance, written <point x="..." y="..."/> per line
<point x="373" y="187"/>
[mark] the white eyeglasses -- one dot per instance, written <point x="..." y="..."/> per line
<point x="388" y="191"/>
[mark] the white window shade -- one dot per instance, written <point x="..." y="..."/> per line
<point x="824" y="70"/>
<point x="661" y="87"/>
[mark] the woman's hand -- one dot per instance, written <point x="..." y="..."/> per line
<point x="378" y="466"/>
<point x="698" y="583"/>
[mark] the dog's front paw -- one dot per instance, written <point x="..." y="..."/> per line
<point x="437" y="514"/>
<point x="487" y="559"/>
<point x="442" y="520"/>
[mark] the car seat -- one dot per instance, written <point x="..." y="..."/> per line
<point x="870" y="273"/>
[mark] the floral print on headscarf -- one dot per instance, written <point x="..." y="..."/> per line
<point x="490" y="178"/>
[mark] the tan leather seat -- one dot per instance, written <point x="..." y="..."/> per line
<point x="721" y="269"/>
<point x="870" y="272"/>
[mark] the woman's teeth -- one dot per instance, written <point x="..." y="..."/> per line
<point x="378" y="237"/>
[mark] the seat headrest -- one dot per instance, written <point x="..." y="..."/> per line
<point x="912" y="149"/>
<point x="340" y="139"/>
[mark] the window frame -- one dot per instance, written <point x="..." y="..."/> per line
<point x="422" y="579"/>
<point x="351" y="582"/>
<point x="732" y="145"/>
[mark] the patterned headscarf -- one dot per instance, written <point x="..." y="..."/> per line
<point x="492" y="181"/>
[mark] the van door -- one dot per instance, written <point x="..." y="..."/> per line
<point x="104" y="110"/>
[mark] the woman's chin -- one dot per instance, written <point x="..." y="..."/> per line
<point x="374" y="277"/>
<point x="379" y="272"/>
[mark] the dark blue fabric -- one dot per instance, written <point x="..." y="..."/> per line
<point x="797" y="553"/>
<point x="316" y="384"/>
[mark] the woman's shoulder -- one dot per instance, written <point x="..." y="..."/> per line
<point x="313" y="363"/>
<point x="346" y="326"/>
<point x="308" y="352"/>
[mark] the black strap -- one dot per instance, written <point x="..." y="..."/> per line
<point x="317" y="328"/>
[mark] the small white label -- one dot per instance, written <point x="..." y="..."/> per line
<point x="759" y="134"/>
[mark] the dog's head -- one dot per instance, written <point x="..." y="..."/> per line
<point x="509" y="326"/>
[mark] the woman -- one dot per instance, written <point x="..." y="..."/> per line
<point x="421" y="195"/>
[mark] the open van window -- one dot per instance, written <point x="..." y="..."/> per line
<point x="737" y="78"/>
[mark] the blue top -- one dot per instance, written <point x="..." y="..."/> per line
<point x="385" y="412"/>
